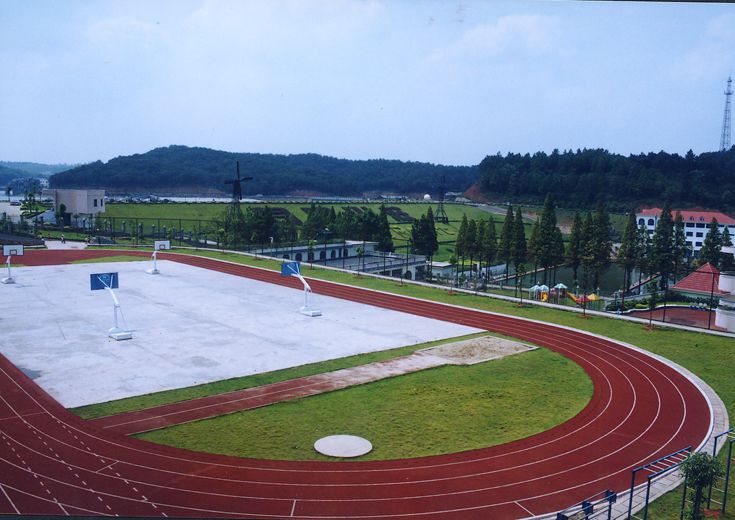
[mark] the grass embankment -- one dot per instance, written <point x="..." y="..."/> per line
<point x="435" y="411"/>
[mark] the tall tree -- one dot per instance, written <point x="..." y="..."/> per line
<point x="629" y="251"/>
<point x="662" y="247"/>
<point x="546" y="240"/>
<point x="533" y="253"/>
<point x="600" y="243"/>
<point x="575" y="248"/>
<point x="489" y="246"/>
<point x="384" y="237"/>
<point x="432" y="243"/>
<point x="461" y="245"/>
<point x="588" y="249"/>
<point x="558" y="256"/>
<point x="472" y="245"/>
<point x="727" y="260"/>
<point x="712" y="245"/>
<point x="520" y="251"/>
<point x="505" y="247"/>
<point x="680" y="244"/>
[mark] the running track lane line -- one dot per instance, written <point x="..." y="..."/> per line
<point x="626" y="406"/>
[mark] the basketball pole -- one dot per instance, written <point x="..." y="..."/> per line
<point x="9" y="278"/>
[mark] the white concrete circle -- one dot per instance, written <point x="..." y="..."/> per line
<point x="343" y="446"/>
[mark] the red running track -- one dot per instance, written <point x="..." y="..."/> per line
<point x="52" y="462"/>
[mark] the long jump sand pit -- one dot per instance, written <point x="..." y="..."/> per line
<point x="190" y="326"/>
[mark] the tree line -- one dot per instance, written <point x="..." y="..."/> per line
<point x="578" y="179"/>
<point x="589" y="244"/>
<point x="198" y="169"/>
<point x="258" y="225"/>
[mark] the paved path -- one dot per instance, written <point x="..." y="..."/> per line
<point x="212" y="406"/>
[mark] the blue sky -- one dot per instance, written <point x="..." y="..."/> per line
<point x="436" y="81"/>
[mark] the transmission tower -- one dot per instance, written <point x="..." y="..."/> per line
<point x="725" y="138"/>
<point x="441" y="214"/>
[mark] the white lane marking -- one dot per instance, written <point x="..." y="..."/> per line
<point x="524" y="508"/>
<point x="9" y="500"/>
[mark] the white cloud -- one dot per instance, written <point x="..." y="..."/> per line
<point x="712" y="57"/>
<point x="527" y="33"/>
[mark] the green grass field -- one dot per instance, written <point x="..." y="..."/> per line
<point x="435" y="411"/>
<point x="710" y="357"/>
<point x="193" y="216"/>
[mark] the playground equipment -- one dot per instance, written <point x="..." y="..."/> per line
<point x="294" y="269"/>
<point x="9" y="251"/>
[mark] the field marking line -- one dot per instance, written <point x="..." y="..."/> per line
<point x="9" y="500"/>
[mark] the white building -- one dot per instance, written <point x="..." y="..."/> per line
<point x="696" y="224"/>
<point x="79" y="202"/>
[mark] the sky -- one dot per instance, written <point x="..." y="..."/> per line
<point x="431" y="81"/>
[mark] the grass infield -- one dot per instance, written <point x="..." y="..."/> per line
<point x="441" y="410"/>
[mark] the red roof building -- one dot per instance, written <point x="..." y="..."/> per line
<point x="702" y="282"/>
<point x="696" y="224"/>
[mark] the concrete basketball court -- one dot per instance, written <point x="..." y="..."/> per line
<point x="191" y="326"/>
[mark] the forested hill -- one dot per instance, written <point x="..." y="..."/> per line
<point x="179" y="167"/>
<point x="578" y="179"/>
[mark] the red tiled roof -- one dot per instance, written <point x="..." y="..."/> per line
<point x="691" y="215"/>
<point x="701" y="281"/>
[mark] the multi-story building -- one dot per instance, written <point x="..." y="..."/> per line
<point x="696" y="224"/>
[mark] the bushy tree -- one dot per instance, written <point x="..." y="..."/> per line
<point x="700" y="471"/>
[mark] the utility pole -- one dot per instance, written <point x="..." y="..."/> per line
<point x="725" y="136"/>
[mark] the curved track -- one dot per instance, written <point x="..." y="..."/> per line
<point x="52" y="462"/>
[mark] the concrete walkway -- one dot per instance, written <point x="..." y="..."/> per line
<point x="56" y="244"/>
<point x="212" y="406"/>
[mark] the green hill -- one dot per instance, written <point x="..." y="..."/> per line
<point x="179" y="168"/>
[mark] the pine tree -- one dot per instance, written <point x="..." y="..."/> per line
<point x="489" y="242"/>
<point x="662" y="246"/>
<point x="533" y="244"/>
<point x="712" y="246"/>
<point x="385" y="239"/>
<point x="727" y="260"/>
<point x="432" y="243"/>
<point x="575" y="248"/>
<point x="587" y="256"/>
<point x="472" y="246"/>
<point x="479" y="236"/>
<point x="680" y="244"/>
<point x="418" y="235"/>
<point x="629" y="250"/>
<point x="505" y="247"/>
<point x="462" y="241"/>
<point x="546" y="240"/>
<point x="600" y="243"/>
<point x="558" y="249"/>
<point x="520" y="251"/>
